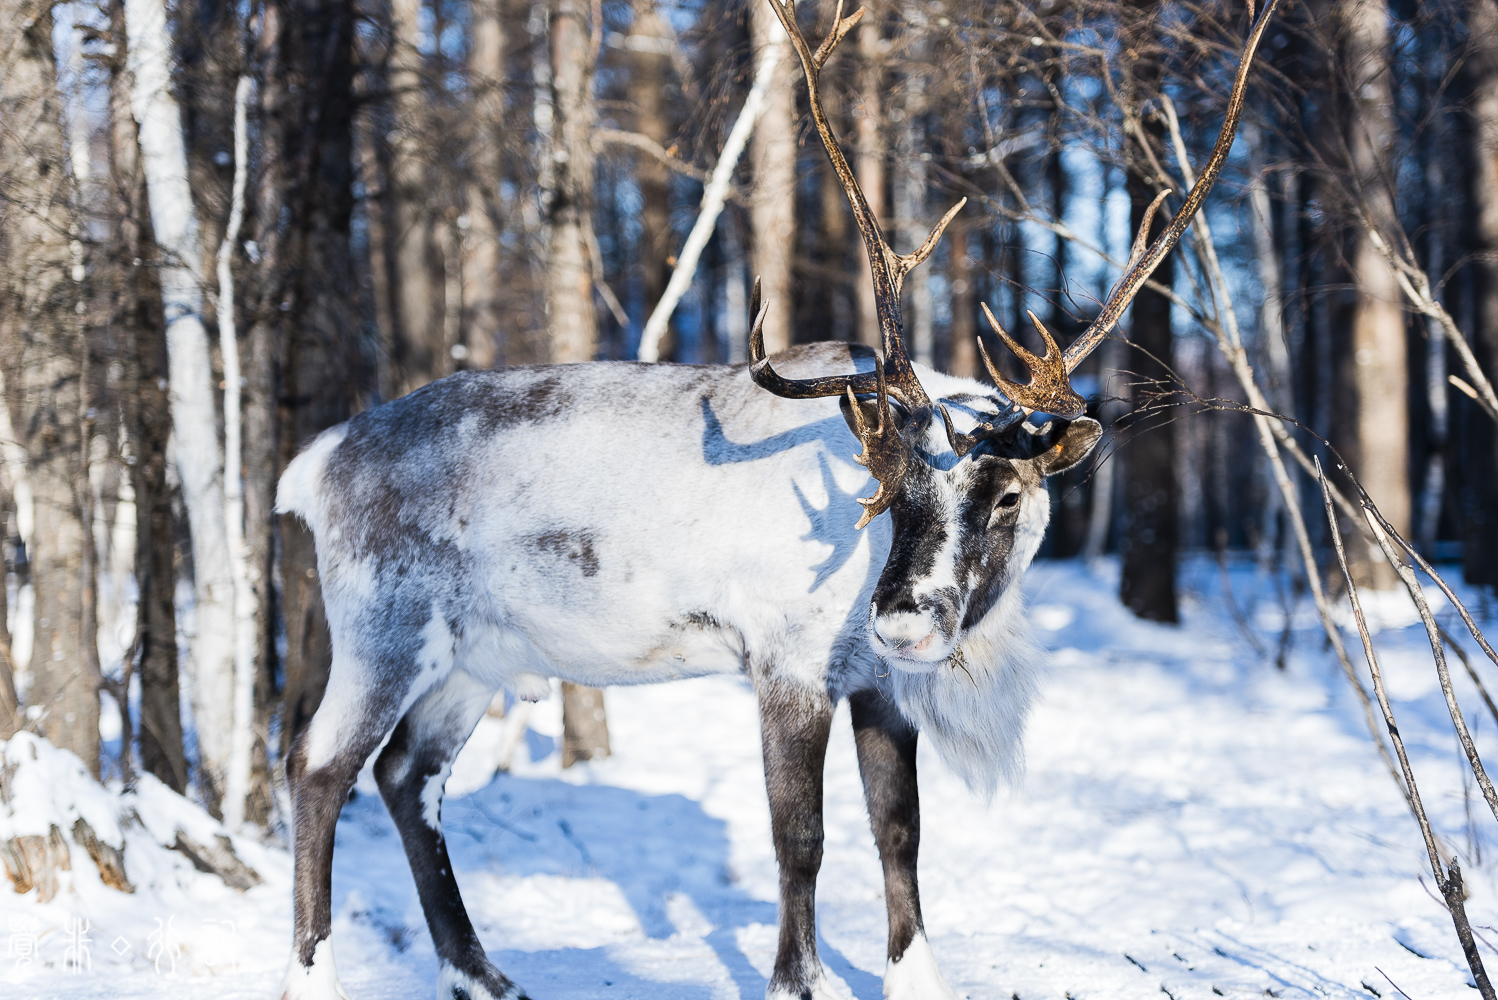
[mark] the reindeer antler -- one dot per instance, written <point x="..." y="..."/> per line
<point x="885" y="451"/>
<point x="1049" y="389"/>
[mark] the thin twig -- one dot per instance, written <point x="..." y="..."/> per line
<point x="1448" y="880"/>
<point x="1230" y="344"/>
<point x="1440" y="581"/>
<point x="1461" y="654"/>
<point x="1432" y="631"/>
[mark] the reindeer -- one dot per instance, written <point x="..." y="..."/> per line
<point x="619" y="523"/>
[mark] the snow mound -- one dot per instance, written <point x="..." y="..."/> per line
<point x="105" y="878"/>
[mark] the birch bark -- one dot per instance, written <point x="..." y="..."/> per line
<point x="237" y="779"/>
<point x="148" y="420"/>
<point x="194" y="421"/>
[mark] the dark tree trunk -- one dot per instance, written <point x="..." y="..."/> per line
<point x="1479" y="506"/>
<point x="1147" y="585"/>
<point x="260" y="468"/>
<point x="325" y="367"/>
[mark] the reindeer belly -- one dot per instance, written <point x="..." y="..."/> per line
<point x="588" y="608"/>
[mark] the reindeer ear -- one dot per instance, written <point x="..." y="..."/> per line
<point x="1065" y="445"/>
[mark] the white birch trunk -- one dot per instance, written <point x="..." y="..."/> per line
<point x="713" y="198"/>
<point x="237" y="777"/>
<point x="194" y="423"/>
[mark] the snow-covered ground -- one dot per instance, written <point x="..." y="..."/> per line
<point x="1194" y="821"/>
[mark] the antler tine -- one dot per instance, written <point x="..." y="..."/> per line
<point x="757" y="330"/>
<point x="1051" y="350"/>
<point x="1030" y="360"/>
<point x="794" y="388"/>
<point x="1142" y="264"/>
<point x="1048" y="390"/>
<point x="885" y="453"/>
<point x="961" y="443"/>
<point x="905" y="263"/>
<point x="1141" y="238"/>
<point x="884" y="263"/>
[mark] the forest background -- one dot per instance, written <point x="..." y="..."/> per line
<point x="226" y="226"/>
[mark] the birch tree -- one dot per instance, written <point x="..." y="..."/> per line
<point x="199" y="457"/>
<point x="148" y="425"/>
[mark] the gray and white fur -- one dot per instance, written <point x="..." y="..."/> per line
<point x="618" y="523"/>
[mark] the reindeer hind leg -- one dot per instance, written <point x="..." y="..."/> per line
<point x="357" y="710"/>
<point x="411" y="771"/>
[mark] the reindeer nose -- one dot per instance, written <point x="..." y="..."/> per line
<point x="907" y="635"/>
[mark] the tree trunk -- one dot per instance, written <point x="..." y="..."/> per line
<point x="585" y="729"/>
<point x="772" y="215"/>
<point x="910" y="183"/>
<point x="1372" y="316"/>
<point x="148" y="416"/>
<point x="10" y="703"/>
<point x="323" y="375"/>
<point x="41" y="336"/>
<point x="647" y="92"/>
<point x="246" y="647"/>
<point x="963" y="357"/>
<point x="481" y="271"/>
<point x="1150" y="491"/>
<point x="868" y="165"/>
<point x="1276" y="361"/>
<point x="1480" y="511"/>
<point x="194" y="420"/>
<point x="569" y="279"/>
<point x="417" y="353"/>
<point x="260" y="469"/>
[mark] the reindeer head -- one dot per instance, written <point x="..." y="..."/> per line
<point x="969" y="515"/>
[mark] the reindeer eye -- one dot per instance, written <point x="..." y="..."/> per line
<point x="1009" y="500"/>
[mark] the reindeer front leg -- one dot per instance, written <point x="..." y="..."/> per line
<point x="886" y="757"/>
<point x="794" y="723"/>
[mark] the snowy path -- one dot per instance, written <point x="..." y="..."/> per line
<point x="1193" y="821"/>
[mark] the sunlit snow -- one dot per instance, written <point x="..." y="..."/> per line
<point x="1194" y="823"/>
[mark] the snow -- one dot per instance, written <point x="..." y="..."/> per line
<point x="1193" y="821"/>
